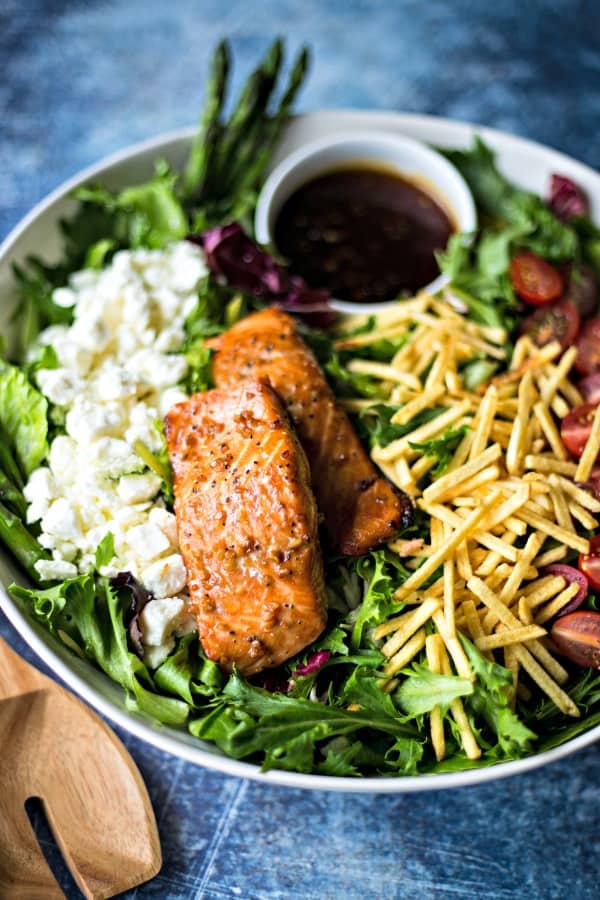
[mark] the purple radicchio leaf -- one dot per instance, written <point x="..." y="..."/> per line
<point x="313" y="664"/>
<point x="139" y="598"/>
<point x="241" y="263"/>
<point x="567" y="200"/>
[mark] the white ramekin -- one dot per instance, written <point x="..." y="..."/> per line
<point x="414" y="161"/>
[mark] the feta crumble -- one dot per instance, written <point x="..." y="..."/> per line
<point x="118" y="374"/>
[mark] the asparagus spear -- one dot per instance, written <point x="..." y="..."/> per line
<point x="207" y="138"/>
<point x="7" y="462"/>
<point x="295" y="81"/>
<point x="228" y="159"/>
<point x="20" y="542"/>
<point x="254" y="171"/>
<point x="249" y="115"/>
<point x="12" y="495"/>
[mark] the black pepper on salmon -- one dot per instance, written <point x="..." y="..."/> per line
<point x="247" y="524"/>
<point x="362" y="509"/>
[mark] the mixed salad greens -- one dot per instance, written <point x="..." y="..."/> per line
<point x="323" y="711"/>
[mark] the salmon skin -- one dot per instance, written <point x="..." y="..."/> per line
<point x="247" y="525"/>
<point x="362" y="510"/>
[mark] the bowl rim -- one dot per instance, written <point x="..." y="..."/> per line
<point x="451" y="181"/>
<point x="159" y="736"/>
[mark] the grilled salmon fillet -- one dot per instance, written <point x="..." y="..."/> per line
<point x="247" y="526"/>
<point x="361" y="509"/>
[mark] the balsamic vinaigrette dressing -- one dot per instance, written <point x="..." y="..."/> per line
<point x="364" y="233"/>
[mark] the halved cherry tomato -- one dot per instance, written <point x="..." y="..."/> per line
<point x="575" y="428"/>
<point x="589" y="563"/>
<point x="588" y="348"/>
<point x="589" y="388"/>
<point x="555" y="322"/>
<point x="535" y="280"/>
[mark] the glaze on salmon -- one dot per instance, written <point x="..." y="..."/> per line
<point x="247" y="526"/>
<point x="362" y="510"/>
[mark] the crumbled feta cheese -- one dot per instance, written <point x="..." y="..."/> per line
<point x="72" y="356"/>
<point x="161" y="619"/>
<point x="113" y="457"/>
<point x="53" y="334"/>
<point x="148" y="435"/>
<point x="188" y="267"/>
<point x="64" y="297"/>
<point x="55" y="569"/>
<point x="61" y="520"/>
<point x="165" y="577"/>
<point x="137" y="488"/>
<point x="170" y="340"/>
<point x="84" y="278"/>
<point x="155" y="656"/>
<point x="167" y="523"/>
<point x="147" y="541"/>
<point x="169" y="398"/>
<point x="133" y="514"/>
<point x="159" y="370"/>
<point x="117" y="376"/>
<point x="63" y="459"/>
<point x="59" y="385"/>
<point x="87" y="420"/>
<point x="116" y="383"/>
<point x="91" y="333"/>
<point x="39" y="491"/>
<point x="65" y="551"/>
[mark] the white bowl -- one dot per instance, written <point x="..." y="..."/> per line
<point x="412" y="160"/>
<point x="527" y="164"/>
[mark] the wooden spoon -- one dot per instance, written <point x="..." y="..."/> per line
<point x="55" y="748"/>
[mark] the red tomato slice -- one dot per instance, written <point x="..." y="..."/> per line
<point x="589" y="388"/>
<point x="555" y="322"/>
<point x="575" y="428"/>
<point x="588" y="348"/>
<point x="535" y="280"/>
<point x="589" y="563"/>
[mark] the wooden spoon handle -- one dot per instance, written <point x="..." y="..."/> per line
<point x="97" y="806"/>
<point x="24" y="871"/>
<point x="16" y="676"/>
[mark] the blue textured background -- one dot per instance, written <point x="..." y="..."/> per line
<point x="82" y="78"/>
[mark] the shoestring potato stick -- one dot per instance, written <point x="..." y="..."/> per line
<point x="505" y="506"/>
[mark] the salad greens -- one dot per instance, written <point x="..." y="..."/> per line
<point x="330" y="717"/>
<point x="511" y="219"/>
<point x="23" y="422"/>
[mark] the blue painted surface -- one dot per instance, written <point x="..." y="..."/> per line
<point x="82" y="78"/>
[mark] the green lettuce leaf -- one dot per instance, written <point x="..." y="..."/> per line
<point x="422" y="690"/>
<point x="531" y="224"/>
<point x="187" y="673"/>
<point x="158" y="462"/>
<point x="490" y="699"/>
<point x="380" y="571"/>
<point x="105" y="550"/>
<point x="285" y="732"/>
<point x="511" y="219"/>
<point x="23" y="418"/>
<point x="376" y="426"/>
<point x="442" y="449"/>
<point x="144" y="215"/>
<point x="91" y="615"/>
